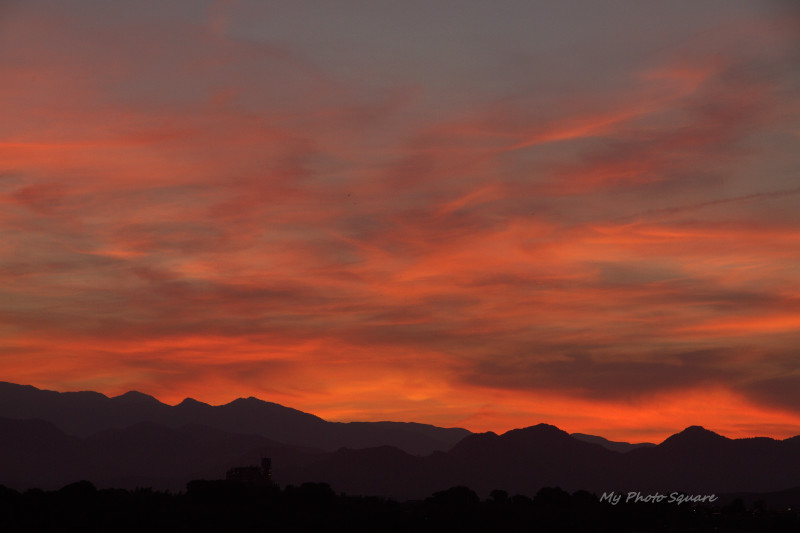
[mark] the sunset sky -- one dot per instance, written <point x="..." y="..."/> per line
<point x="465" y="213"/>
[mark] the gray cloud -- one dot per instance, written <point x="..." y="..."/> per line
<point x="605" y="377"/>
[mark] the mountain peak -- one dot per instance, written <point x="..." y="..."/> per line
<point x="699" y="430"/>
<point x="538" y="429"/>
<point x="251" y="402"/>
<point x="694" y="435"/>
<point x="136" y="397"/>
<point x="696" y="428"/>
<point x="191" y="402"/>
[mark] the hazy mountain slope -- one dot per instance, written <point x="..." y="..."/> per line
<point x="86" y="413"/>
<point x="615" y="446"/>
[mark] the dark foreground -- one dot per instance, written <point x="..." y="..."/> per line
<point x="221" y="506"/>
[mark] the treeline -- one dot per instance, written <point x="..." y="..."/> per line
<point x="221" y="506"/>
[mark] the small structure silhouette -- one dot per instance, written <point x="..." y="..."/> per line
<point x="252" y="475"/>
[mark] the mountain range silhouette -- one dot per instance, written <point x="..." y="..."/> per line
<point x="85" y="413"/>
<point x="49" y="439"/>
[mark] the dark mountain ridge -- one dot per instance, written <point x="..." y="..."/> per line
<point x="695" y="461"/>
<point x="34" y="453"/>
<point x="196" y="440"/>
<point x="85" y="413"/>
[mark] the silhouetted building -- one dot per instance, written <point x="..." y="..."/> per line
<point x="252" y="475"/>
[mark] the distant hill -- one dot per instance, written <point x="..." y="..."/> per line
<point x="524" y="460"/>
<point x="616" y="446"/>
<point x="34" y="453"/>
<point x="48" y="439"/>
<point x="700" y="460"/>
<point x="86" y="413"/>
<point x="518" y="461"/>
